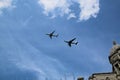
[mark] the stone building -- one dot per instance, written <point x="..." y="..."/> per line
<point x="114" y="59"/>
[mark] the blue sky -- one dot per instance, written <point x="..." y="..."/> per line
<point x="26" y="53"/>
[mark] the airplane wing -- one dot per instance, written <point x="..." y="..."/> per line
<point x="53" y="32"/>
<point x="69" y="44"/>
<point x="50" y="37"/>
<point x="73" y="39"/>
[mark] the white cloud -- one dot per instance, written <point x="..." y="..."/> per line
<point x="72" y="15"/>
<point x="88" y="8"/>
<point x="55" y="7"/>
<point x="5" y="4"/>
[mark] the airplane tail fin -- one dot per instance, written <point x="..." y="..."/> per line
<point x="76" y="43"/>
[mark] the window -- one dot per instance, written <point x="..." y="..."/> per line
<point x="117" y="66"/>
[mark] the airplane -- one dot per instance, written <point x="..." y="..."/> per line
<point x="52" y="35"/>
<point x="70" y="42"/>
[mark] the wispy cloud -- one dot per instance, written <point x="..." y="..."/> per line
<point x="25" y="22"/>
<point x="6" y="4"/>
<point x="37" y="61"/>
<point x="88" y="8"/>
<point x="27" y="58"/>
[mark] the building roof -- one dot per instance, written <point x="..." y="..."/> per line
<point x="115" y="48"/>
<point x="102" y="74"/>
